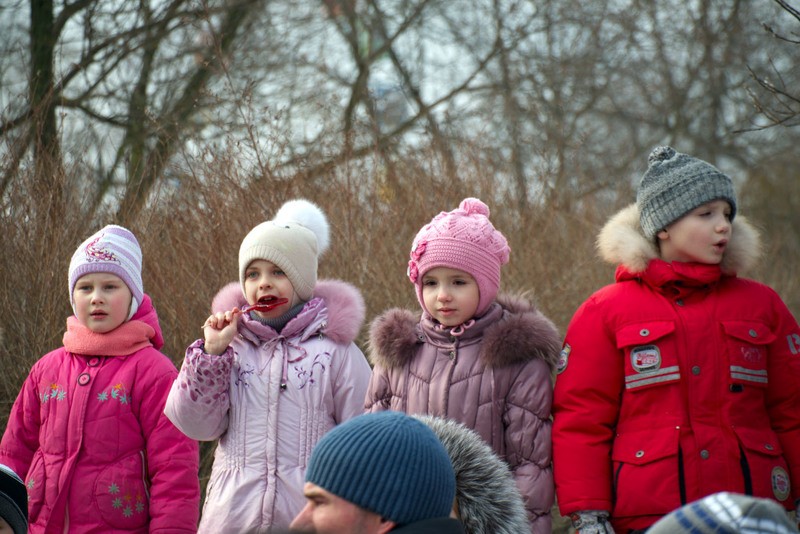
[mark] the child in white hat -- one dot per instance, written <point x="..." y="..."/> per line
<point x="87" y="432"/>
<point x="277" y="368"/>
<point x="680" y="379"/>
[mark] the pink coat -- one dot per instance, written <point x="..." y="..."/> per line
<point x="268" y="399"/>
<point x="495" y="378"/>
<point x="88" y="435"/>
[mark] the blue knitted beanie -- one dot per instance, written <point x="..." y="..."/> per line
<point x="674" y="185"/>
<point x="388" y="463"/>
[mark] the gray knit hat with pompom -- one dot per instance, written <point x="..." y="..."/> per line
<point x="674" y="185"/>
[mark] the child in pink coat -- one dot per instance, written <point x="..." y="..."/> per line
<point x="87" y="432"/>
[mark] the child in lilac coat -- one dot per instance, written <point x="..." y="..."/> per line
<point x="276" y="370"/>
<point x="87" y="432"/>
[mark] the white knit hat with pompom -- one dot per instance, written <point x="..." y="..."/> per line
<point x="293" y="240"/>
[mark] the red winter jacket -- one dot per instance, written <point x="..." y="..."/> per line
<point x="89" y="436"/>
<point x="678" y="381"/>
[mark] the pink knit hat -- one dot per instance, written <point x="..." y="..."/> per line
<point x="462" y="239"/>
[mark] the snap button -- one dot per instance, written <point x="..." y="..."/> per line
<point x="753" y="333"/>
<point x="94" y="362"/>
<point x="679" y="302"/>
<point x="696" y="370"/>
<point x="768" y="446"/>
<point x="84" y="379"/>
<point x="704" y="454"/>
<point x="644" y="332"/>
<point x="452" y="354"/>
<point x="639" y="454"/>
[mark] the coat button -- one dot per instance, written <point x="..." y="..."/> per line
<point x="84" y="379"/>
<point x="452" y="354"/>
<point x="644" y="332"/>
<point x="679" y="302"/>
<point x="704" y="454"/>
<point x="753" y="333"/>
<point x="94" y="362"/>
<point x="769" y="446"/>
<point x="639" y="454"/>
<point x="696" y="370"/>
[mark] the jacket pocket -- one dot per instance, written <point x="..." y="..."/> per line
<point x="763" y="466"/>
<point x="121" y="494"/>
<point x="746" y="346"/>
<point x="651" y="357"/>
<point x="35" y="485"/>
<point x="646" y="472"/>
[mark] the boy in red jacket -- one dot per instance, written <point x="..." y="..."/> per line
<point x="679" y="380"/>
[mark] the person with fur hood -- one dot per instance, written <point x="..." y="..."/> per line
<point x="473" y="357"/>
<point x="679" y="380"/>
<point x="487" y="500"/>
<point x="276" y="370"/>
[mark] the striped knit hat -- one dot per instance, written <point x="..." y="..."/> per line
<point x="726" y="513"/>
<point x="114" y="250"/>
<point x="674" y="185"/>
<point x="388" y="463"/>
<point x="462" y="239"/>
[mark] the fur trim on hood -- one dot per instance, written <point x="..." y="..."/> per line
<point x="344" y="303"/>
<point x="486" y="494"/>
<point x="621" y="242"/>
<point x="522" y="334"/>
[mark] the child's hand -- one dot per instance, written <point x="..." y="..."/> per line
<point x="219" y="330"/>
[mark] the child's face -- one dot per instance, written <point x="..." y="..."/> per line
<point x="102" y="301"/>
<point x="699" y="236"/>
<point x="264" y="279"/>
<point x="451" y="296"/>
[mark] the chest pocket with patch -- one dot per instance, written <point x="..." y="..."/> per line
<point x="746" y="346"/>
<point x="651" y="357"/>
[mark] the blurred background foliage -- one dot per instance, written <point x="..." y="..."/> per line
<point x="191" y="121"/>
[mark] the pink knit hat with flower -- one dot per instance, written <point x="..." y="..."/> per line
<point x="462" y="239"/>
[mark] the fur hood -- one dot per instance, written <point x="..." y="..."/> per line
<point x="486" y="494"/>
<point x="621" y="242"/>
<point x="522" y="333"/>
<point x="345" y="307"/>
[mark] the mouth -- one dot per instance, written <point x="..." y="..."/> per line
<point x="267" y="303"/>
<point x="98" y="314"/>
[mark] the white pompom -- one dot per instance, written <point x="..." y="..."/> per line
<point x="307" y="214"/>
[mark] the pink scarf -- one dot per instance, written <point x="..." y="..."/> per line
<point x="126" y="339"/>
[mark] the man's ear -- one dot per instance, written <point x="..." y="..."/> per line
<point x="386" y="525"/>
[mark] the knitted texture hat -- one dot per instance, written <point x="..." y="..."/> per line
<point x="114" y="250"/>
<point x="388" y="463"/>
<point x="675" y="184"/>
<point x="462" y="239"/>
<point x="293" y="240"/>
<point x="726" y="513"/>
<point x="13" y="500"/>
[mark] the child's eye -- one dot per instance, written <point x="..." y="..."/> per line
<point x="251" y="274"/>
<point x="428" y="282"/>
<point x="459" y="282"/>
<point x="278" y="272"/>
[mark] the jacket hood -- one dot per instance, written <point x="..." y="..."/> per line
<point x="486" y="495"/>
<point x="345" y="307"/>
<point x="622" y="242"/>
<point x="522" y="334"/>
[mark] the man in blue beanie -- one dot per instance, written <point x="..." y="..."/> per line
<point x="376" y="473"/>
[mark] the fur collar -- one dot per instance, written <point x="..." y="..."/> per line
<point x="621" y="242"/>
<point x="522" y="334"/>
<point x="345" y="307"/>
<point x="487" y="497"/>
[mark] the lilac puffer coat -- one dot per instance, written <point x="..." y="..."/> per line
<point x="495" y="378"/>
